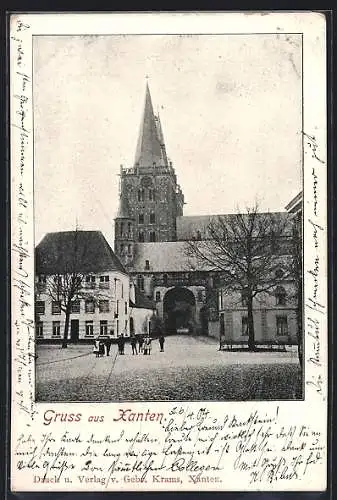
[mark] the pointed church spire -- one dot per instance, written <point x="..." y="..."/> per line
<point x="149" y="149"/>
<point x="161" y="138"/>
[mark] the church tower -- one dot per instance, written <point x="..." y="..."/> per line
<point x="124" y="234"/>
<point x="150" y="198"/>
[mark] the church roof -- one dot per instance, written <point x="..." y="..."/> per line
<point x="189" y="226"/>
<point x="82" y="251"/>
<point x="149" y="148"/>
<point x="166" y="256"/>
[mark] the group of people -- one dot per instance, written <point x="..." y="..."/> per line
<point x="102" y="346"/>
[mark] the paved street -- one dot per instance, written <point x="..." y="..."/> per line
<point x="191" y="368"/>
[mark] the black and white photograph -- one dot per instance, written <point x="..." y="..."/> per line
<point x="169" y="298"/>
<point x="168" y="217"/>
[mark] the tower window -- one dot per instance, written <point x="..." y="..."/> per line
<point x="122" y="248"/>
<point x="141" y="218"/>
<point x="140" y="282"/>
<point x="140" y="194"/>
<point x="147" y="265"/>
<point x="122" y="228"/>
<point x="129" y="229"/>
<point x="141" y="236"/>
<point x="157" y="296"/>
<point x="151" y="195"/>
<point x="129" y="249"/>
<point x="152" y="218"/>
<point x="152" y="236"/>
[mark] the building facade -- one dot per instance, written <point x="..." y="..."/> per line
<point x="152" y="236"/>
<point x="105" y="302"/>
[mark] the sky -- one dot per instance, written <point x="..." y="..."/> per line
<point x="230" y="108"/>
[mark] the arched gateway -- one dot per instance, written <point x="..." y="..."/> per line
<point x="179" y="310"/>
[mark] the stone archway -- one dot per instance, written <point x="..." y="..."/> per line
<point x="179" y="310"/>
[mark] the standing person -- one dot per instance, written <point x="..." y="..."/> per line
<point x="147" y="346"/>
<point x="108" y="343"/>
<point x="140" y="343"/>
<point x="161" y="342"/>
<point x="133" y="341"/>
<point x="122" y="343"/>
<point x="96" y="347"/>
<point x="101" y="348"/>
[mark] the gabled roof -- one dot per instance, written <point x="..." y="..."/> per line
<point x="75" y="251"/>
<point x="166" y="256"/>
<point x="149" y="148"/>
<point x="189" y="226"/>
<point x="142" y="302"/>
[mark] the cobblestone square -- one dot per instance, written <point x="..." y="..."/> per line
<point x="191" y="368"/>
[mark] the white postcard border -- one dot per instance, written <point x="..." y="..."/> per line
<point x="29" y="430"/>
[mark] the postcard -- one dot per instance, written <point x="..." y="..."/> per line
<point x="169" y="251"/>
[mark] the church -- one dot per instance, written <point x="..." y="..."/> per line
<point x="151" y="235"/>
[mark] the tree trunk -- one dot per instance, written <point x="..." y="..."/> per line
<point x="66" y="328"/>
<point x="251" y="334"/>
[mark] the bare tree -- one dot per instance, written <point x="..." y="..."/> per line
<point x="67" y="284"/>
<point x="245" y="250"/>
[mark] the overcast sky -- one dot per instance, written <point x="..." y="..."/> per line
<point x="230" y="107"/>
